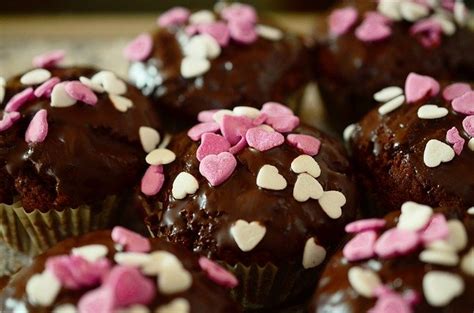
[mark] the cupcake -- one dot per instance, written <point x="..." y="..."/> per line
<point x="257" y="192"/>
<point x="72" y="143"/>
<point x="417" y="145"/>
<point x="369" y="46"/>
<point x="216" y="60"/>
<point x="119" y="271"/>
<point x="417" y="260"/>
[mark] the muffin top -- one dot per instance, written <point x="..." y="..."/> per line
<point x="71" y="136"/>
<point x="416" y="260"/>
<point x="252" y="186"/>
<point x="119" y="270"/>
<point x="422" y="134"/>
<point x="216" y="60"/>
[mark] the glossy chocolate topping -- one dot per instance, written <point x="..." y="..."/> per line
<point x="89" y="152"/>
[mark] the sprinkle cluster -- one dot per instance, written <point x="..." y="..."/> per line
<point x="430" y="20"/>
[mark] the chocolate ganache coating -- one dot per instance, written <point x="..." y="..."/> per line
<point x="90" y="152"/>
<point x="203" y="295"/>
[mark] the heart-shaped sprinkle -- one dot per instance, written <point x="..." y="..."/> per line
<point x="183" y="185"/>
<point x="152" y="180"/>
<point x="233" y="128"/>
<point x="38" y="128"/>
<point x="110" y="82"/>
<point x="439" y="257"/>
<point x="60" y="98"/>
<point x="391" y="302"/>
<point x="418" y="87"/>
<point x="149" y="138"/>
<point x="366" y="224"/>
<point x="468" y="125"/>
<point x="313" y="254"/>
<point x="395" y="242"/>
<point x="46" y="88"/>
<point x="414" y="216"/>
<point x="455" y="90"/>
<point x="305" y="143"/>
<point x="37" y="293"/>
<point x="217" y="273"/>
<point x="470" y="211"/>
<point x="242" y="31"/>
<point x="370" y="31"/>
<point x="457" y="237"/>
<point x="390" y="9"/>
<point x="198" y="130"/>
<point x="453" y="137"/>
<point x="235" y="149"/>
<point x="331" y="202"/>
<point x="276" y="109"/>
<point x="92" y="85"/>
<point x="269" y="33"/>
<point x="217" y="30"/>
<point x="247" y="235"/>
<point x="360" y="247"/>
<point x="412" y="11"/>
<point x="18" y="100"/>
<point x="471" y="144"/>
<point x="348" y="131"/>
<point x="202" y="17"/>
<point x="174" y="279"/>
<point x="437" y="229"/>
<point x="467" y="262"/>
<point x="80" y="92"/>
<point x="8" y="119"/>
<point x="178" y="305"/>
<point x="194" y="66"/>
<point x="139" y="49"/>
<point x="91" y="253"/>
<point x="49" y="59"/>
<point x="388" y="94"/>
<point x="97" y="300"/>
<point x="464" y="104"/>
<point x="130" y="240"/>
<point x="134" y="259"/>
<point x="428" y="32"/>
<point x="307" y="187"/>
<point x="437" y="152"/>
<point x="160" y="156"/>
<point x="159" y="262"/>
<point x="35" y="77"/>
<point x="263" y="140"/>
<point x="283" y="123"/>
<point x="269" y="178"/>
<point x="440" y="288"/>
<point x="217" y="168"/>
<point x="341" y="20"/>
<point x="211" y="144"/>
<point x="2" y="92"/>
<point x="461" y="12"/>
<point x="122" y="104"/>
<point x="391" y="105"/>
<point x="364" y="281"/>
<point x="218" y="116"/>
<point x="202" y="46"/>
<point x="306" y="164"/>
<point x="431" y="112"/>
<point x="174" y="17"/>
<point x="247" y="111"/>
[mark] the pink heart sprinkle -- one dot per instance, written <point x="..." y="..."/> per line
<point x="38" y="128"/>
<point x="153" y="180"/>
<point x="418" y="87"/>
<point x="218" y="30"/>
<point x="371" y="30"/>
<point x="97" y="300"/>
<point x="468" y="124"/>
<point x="17" y="101"/>
<point x="428" y="32"/>
<point x="46" y="88"/>
<point x="174" y="17"/>
<point x="283" y="123"/>
<point x="391" y="303"/>
<point x="239" y="146"/>
<point x="217" y="168"/>
<point x="239" y="12"/>
<point x="276" y="109"/>
<point x="211" y="144"/>
<point x="366" y="224"/>
<point x="129" y="286"/>
<point x="395" y="242"/>
<point x="233" y="128"/>
<point x="198" y="130"/>
<point x="340" y="21"/>
<point x="217" y="273"/>
<point x="242" y="32"/>
<point x="437" y="229"/>
<point x="360" y="247"/>
<point x="139" y="48"/>
<point x="49" y="59"/>
<point x="464" y="104"/>
<point x="455" y="90"/>
<point x="8" y="119"/>
<point x="305" y="143"/>
<point x="453" y="137"/>
<point x="263" y="140"/>
<point x="206" y="116"/>
<point x="80" y="92"/>
<point x="132" y="241"/>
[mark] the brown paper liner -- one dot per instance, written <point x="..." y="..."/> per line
<point x="34" y="232"/>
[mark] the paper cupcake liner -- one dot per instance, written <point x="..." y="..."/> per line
<point x="34" y="232"/>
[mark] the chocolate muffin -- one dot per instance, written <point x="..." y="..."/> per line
<point x="216" y="60"/>
<point x="418" y="145"/>
<point x="119" y="271"/>
<point x="369" y="46"/>
<point x="72" y="144"/>
<point x="419" y="260"/>
<point x="257" y="192"/>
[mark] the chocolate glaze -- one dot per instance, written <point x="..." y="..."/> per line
<point x="90" y="151"/>
<point x="388" y="153"/>
<point x="335" y="294"/>
<point x="204" y="296"/>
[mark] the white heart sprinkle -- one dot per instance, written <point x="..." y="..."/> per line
<point x="183" y="185"/>
<point x="2" y="94"/>
<point x="412" y="11"/>
<point x="268" y="32"/>
<point x="160" y="261"/>
<point x="160" y="156"/>
<point x="35" y="77"/>
<point x="348" y="131"/>
<point x="91" y="253"/>
<point x="247" y="235"/>
<point x="122" y="104"/>
<point x="89" y="83"/>
<point x="219" y="115"/>
<point x="471" y="144"/>
<point x="390" y="9"/>
<point x="175" y="279"/>
<point x="431" y="111"/>
<point x="388" y="94"/>
<point x="439" y="257"/>
<point x="178" y="305"/>
<point x="460" y="13"/>
<point x="135" y="259"/>
<point x="441" y="245"/>
<point x="149" y="138"/>
<point x="202" y="46"/>
<point x="437" y="152"/>
<point x="307" y="187"/>
<point x="331" y="203"/>
<point x="65" y="308"/>
<point x="440" y="288"/>
<point x="202" y="17"/>
<point x="457" y="237"/>
<point x="414" y="216"/>
<point x="194" y="66"/>
<point x="269" y="178"/>
<point x="391" y="105"/>
<point x="3" y="82"/>
<point x="448" y="27"/>
<point x="313" y="254"/>
<point x="114" y="85"/>
<point x="306" y="164"/>
<point x="42" y="289"/>
<point x="364" y="281"/>
<point x="60" y="98"/>
<point x="246" y="111"/>
<point x="470" y="211"/>
<point x="467" y="262"/>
